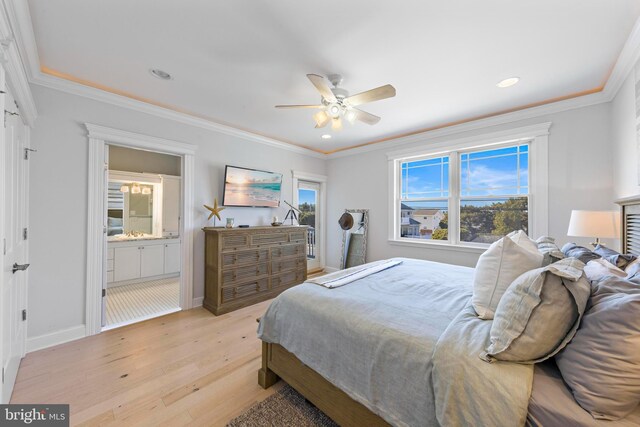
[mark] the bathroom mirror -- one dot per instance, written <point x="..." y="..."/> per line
<point x="133" y="205"/>
<point x="354" y="224"/>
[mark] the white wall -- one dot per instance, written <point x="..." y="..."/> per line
<point x="624" y="141"/>
<point x="58" y="201"/>
<point x="580" y="177"/>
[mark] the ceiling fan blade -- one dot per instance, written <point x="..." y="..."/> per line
<point x="365" y="117"/>
<point x="320" y="84"/>
<point x="382" y="92"/>
<point x="299" y="106"/>
<point x="321" y="118"/>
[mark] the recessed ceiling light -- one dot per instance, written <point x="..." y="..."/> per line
<point x="508" y="82"/>
<point x="163" y="75"/>
<point x="326" y="136"/>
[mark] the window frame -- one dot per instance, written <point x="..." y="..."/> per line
<point x="536" y="136"/>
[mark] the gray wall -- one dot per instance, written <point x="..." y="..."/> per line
<point x="58" y="199"/>
<point x="580" y="177"/>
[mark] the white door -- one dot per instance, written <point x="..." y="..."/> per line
<point x="14" y="249"/>
<point x="107" y="261"/>
<point x="151" y="260"/>
<point x="126" y="263"/>
<point x="172" y="258"/>
<point x="308" y="203"/>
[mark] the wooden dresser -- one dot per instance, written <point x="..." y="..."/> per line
<point x="244" y="266"/>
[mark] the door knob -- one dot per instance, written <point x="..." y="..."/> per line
<point x="19" y="267"/>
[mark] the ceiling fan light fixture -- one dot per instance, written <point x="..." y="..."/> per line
<point x="350" y="116"/>
<point x="334" y="110"/>
<point x="508" y="82"/>
<point x="321" y="118"/>
<point x="336" y="124"/>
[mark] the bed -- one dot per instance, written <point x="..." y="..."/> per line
<point x="340" y="349"/>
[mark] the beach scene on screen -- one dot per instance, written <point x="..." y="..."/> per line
<point x="245" y="187"/>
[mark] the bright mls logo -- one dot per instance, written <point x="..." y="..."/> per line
<point x="34" y="415"/>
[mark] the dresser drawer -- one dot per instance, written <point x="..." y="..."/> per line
<point x="232" y="293"/>
<point x="234" y="241"/>
<point x="287" y="251"/>
<point x="280" y="265"/>
<point x="242" y="274"/>
<point x="286" y="280"/>
<point x="252" y="256"/>
<point x="269" y="238"/>
<point x="296" y="236"/>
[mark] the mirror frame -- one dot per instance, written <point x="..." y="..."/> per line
<point x="365" y="220"/>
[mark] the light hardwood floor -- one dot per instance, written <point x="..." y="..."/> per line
<point x="186" y="368"/>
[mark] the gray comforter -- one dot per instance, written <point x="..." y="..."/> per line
<point x="404" y="342"/>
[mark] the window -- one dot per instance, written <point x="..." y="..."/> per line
<point x="467" y="196"/>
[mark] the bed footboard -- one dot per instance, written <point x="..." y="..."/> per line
<point x="278" y="363"/>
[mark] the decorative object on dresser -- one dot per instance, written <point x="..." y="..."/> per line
<point x="215" y="211"/>
<point x="249" y="265"/>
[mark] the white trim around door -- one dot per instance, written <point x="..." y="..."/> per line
<point x="321" y="224"/>
<point x="99" y="137"/>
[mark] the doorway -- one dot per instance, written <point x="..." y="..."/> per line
<point x="309" y="197"/>
<point x="14" y="194"/>
<point x="142" y="255"/>
<point x="99" y="254"/>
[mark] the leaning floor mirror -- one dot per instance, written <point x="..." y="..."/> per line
<point x="354" y="224"/>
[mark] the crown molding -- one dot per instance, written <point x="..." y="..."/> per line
<point x="19" y="16"/>
<point x="118" y="136"/>
<point x="17" y="78"/>
<point x="542" y="110"/>
<point x="627" y="60"/>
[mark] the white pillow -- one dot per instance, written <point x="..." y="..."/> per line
<point x="500" y="265"/>
<point x="521" y="239"/>
<point x="598" y="269"/>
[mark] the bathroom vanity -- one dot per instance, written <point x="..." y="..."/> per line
<point x="133" y="259"/>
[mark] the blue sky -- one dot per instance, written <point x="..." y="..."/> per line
<point x="306" y="196"/>
<point x="489" y="172"/>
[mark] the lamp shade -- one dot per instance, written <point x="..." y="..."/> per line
<point x="601" y="224"/>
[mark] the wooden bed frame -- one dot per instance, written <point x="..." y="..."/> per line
<point x="278" y="363"/>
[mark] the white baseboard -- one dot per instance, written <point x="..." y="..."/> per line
<point x="55" y="338"/>
<point x="330" y="269"/>
<point x="197" y="302"/>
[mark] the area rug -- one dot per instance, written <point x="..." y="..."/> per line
<point x="284" y="408"/>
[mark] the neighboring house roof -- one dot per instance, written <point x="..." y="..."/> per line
<point x="405" y="207"/>
<point x="413" y="222"/>
<point x="419" y="212"/>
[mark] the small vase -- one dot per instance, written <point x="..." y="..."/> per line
<point x="229" y="223"/>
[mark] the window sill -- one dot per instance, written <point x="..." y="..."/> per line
<point x="438" y="246"/>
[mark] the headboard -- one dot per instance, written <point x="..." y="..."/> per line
<point x="630" y="225"/>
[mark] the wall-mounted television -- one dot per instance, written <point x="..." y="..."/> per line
<point x="245" y="187"/>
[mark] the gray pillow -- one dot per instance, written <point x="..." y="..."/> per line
<point x="602" y="363"/>
<point x="614" y="257"/>
<point x="550" y="251"/>
<point x="539" y="313"/>
<point x="583" y="254"/>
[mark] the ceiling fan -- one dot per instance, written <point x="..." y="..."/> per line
<point x="335" y="103"/>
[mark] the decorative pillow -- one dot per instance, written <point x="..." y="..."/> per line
<point x="521" y="239"/>
<point x="614" y="257"/>
<point x="539" y="313"/>
<point x="598" y="269"/>
<point x="549" y="250"/>
<point x="497" y="267"/>
<point x="602" y="363"/>
<point x="571" y="250"/>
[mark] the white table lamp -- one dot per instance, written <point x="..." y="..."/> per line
<point x="597" y="224"/>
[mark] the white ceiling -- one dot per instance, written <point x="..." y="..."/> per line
<point x="232" y="61"/>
